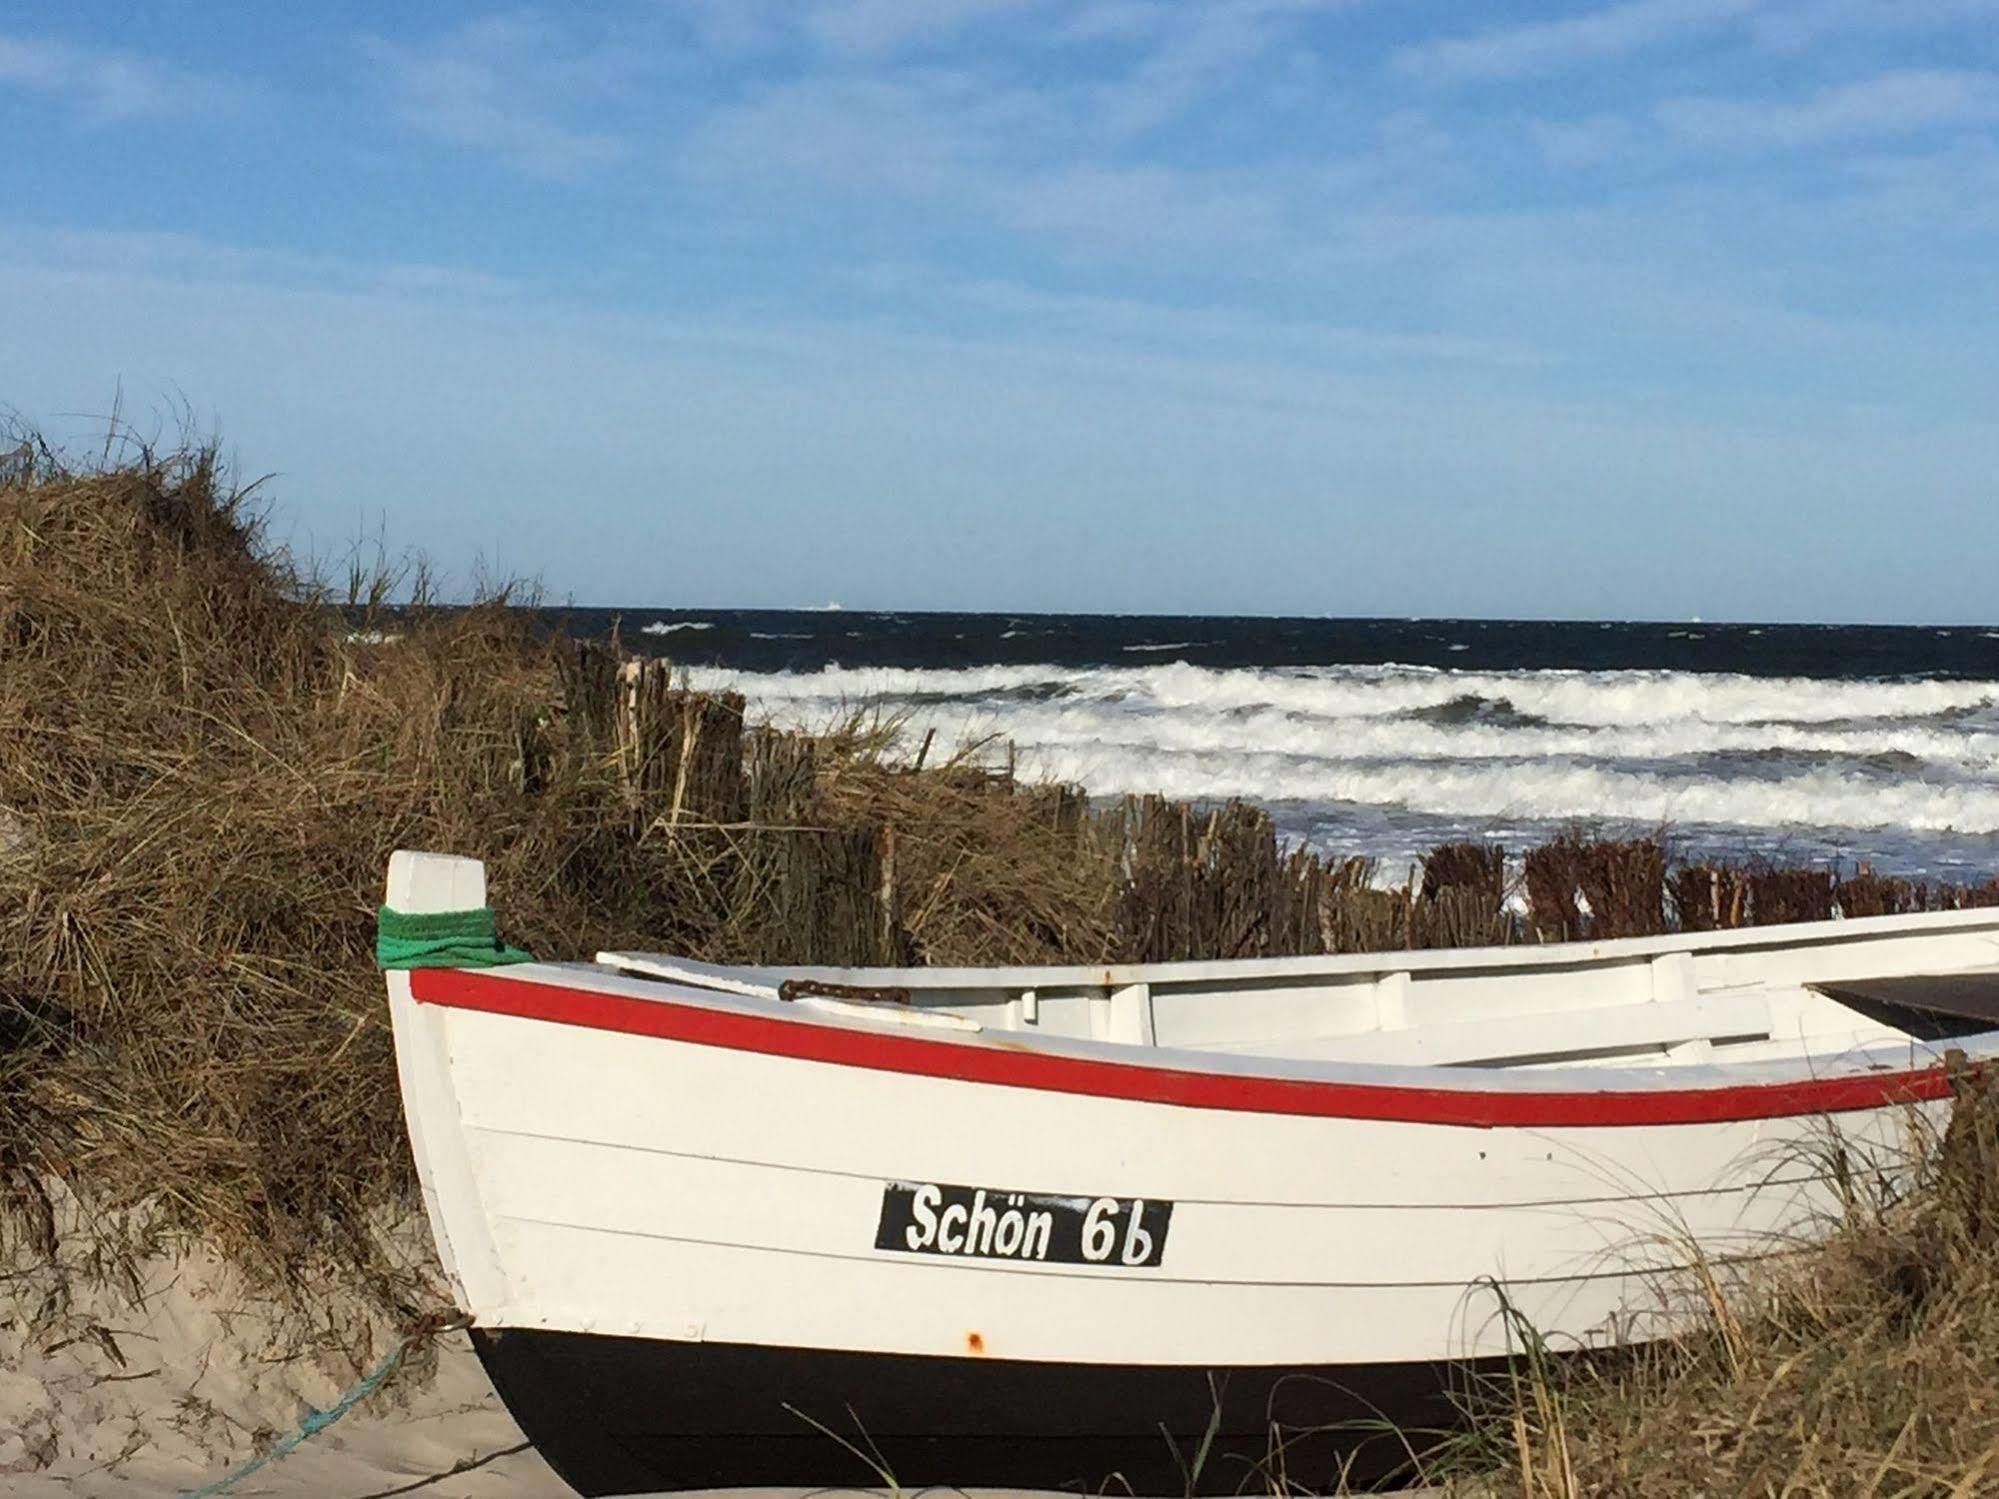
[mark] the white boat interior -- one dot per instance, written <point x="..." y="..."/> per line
<point x="1760" y="995"/>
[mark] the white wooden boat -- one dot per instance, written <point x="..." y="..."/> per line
<point x="1036" y="1227"/>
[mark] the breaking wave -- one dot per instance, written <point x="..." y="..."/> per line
<point x="1543" y="792"/>
<point x="1578" y="698"/>
<point x="1427" y="748"/>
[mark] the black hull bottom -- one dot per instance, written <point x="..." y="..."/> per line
<point x="633" y="1415"/>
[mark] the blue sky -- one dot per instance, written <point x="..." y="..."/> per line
<point x="1654" y="308"/>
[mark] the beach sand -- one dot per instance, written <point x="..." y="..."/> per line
<point x="158" y="1383"/>
<point x="451" y="1441"/>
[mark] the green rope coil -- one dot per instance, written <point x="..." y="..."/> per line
<point x="441" y="939"/>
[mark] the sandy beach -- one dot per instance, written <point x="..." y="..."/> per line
<point x="166" y="1382"/>
<point x="452" y="1440"/>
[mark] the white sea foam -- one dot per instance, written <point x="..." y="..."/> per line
<point x="1548" y="792"/>
<point x="1527" y="746"/>
<point x="670" y="626"/>
<point x="1053" y="725"/>
<point x="1581" y="698"/>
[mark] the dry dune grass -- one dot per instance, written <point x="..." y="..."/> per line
<point x="204" y="776"/>
<point x="1866" y="1367"/>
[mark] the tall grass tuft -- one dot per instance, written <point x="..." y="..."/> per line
<point x="1865" y="1367"/>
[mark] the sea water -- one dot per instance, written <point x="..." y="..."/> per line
<point x="1832" y="744"/>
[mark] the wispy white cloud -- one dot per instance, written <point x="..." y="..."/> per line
<point x="851" y="30"/>
<point x="1889" y="104"/>
<point x="1152" y="210"/>
<point x="728" y="28"/>
<point x="964" y="149"/>
<point x="914" y="132"/>
<point x="1805" y="23"/>
<point x="1550" y="46"/>
<point x="1113" y="21"/>
<point x="1208" y="46"/>
<point x="1952" y="189"/>
<point x="1214" y="328"/>
<point x="1628" y="27"/>
<point x="1588" y="142"/>
<point x="183" y="257"/>
<point x="879" y="28"/>
<point x="106" y="86"/>
<point x="485" y="87"/>
<point x="1053" y="155"/>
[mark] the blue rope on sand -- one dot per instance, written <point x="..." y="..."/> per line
<point x="317" y="1421"/>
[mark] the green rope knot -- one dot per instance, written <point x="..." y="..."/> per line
<point x="441" y="939"/>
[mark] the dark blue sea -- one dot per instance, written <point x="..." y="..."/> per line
<point x="1830" y="743"/>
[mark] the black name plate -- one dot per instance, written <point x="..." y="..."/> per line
<point x="990" y="1224"/>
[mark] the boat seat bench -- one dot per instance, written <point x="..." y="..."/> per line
<point x="1513" y="1038"/>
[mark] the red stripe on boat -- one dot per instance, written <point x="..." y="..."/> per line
<point x="470" y="989"/>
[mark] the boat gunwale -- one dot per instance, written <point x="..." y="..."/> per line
<point x="1687" y="1093"/>
<point x="1838" y="931"/>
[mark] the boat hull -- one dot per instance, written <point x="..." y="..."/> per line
<point x="711" y="1238"/>
<point x="620" y="1415"/>
<point x="590" y="1181"/>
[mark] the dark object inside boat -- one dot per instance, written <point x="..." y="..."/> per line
<point x="1930" y="1007"/>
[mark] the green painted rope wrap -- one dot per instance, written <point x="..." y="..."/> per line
<point x="441" y="939"/>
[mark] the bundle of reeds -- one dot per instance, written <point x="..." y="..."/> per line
<point x="1581" y="887"/>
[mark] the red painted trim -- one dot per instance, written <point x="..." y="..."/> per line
<point x="467" y="989"/>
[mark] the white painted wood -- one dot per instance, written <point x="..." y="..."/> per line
<point x="1131" y="1015"/>
<point x="627" y="1189"/>
<point x="594" y="1181"/>
<point x="595" y="1086"/>
<point x="752" y="1185"/>
<point x="662" y="1288"/>
<point x="1391" y="1002"/>
<point x="1981" y="926"/>
<point x="421" y="884"/>
<point x="1673" y="977"/>
<point x="1515" y="1038"/>
<point x="885" y="1014"/>
<point x="1301" y="1006"/>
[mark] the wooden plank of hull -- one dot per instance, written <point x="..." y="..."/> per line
<point x="592" y="1280"/>
<point x="820" y="1215"/>
<point x="616" y="1415"/>
<point x="592" y="1086"/>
